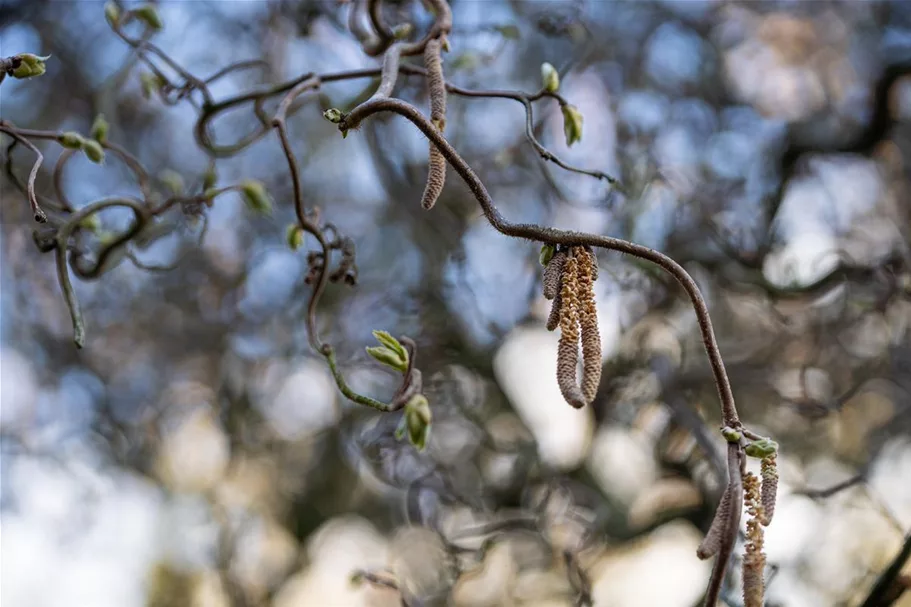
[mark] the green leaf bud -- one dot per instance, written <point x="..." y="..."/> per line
<point x="256" y="197"/>
<point x="572" y="124"/>
<point x="93" y="151"/>
<point x="550" y="78"/>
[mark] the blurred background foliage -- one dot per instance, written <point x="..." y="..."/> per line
<point x="196" y="452"/>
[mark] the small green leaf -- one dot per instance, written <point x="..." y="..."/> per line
<point x="388" y="357"/>
<point x="761" y="448"/>
<point x="256" y="197"/>
<point x="99" y="131"/>
<point x="294" y="236"/>
<point x="731" y="435"/>
<point x="93" y="151"/>
<point x="209" y="179"/>
<point x="148" y="14"/>
<point x="550" y="78"/>
<point x="417" y="420"/>
<point x="112" y="14"/>
<point x="392" y="343"/>
<point x="173" y="181"/>
<point x="546" y="254"/>
<point x="29" y="65"/>
<point x="71" y="140"/>
<point x="333" y="115"/>
<point x="151" y="84"/>
<point x="572" y="124"/>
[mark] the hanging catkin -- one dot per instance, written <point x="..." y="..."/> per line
<point x="569" y="280"/>
<point x="568" y="348"/>
<point x="754" y="557"/>
<point x="769" y="491"/>
<point x="436" y="168"/>
<point x="552" y="274"/>
<point x="712" y="542"/>
<point x="588" y="323"/>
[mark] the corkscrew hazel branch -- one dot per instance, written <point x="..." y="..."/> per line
<point x="171" y="93"/>
<point x="39" y="215"/>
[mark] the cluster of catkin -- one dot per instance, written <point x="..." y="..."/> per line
<point x="569" y="277"/>
<point x="759" y="499"/>
<point x="436" y="170"/>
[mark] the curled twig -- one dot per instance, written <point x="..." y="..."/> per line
<point x="39" y="215"/>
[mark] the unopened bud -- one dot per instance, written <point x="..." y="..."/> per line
<point x="112" y="14"/>
<point x="730" y="434"/>
<point x="71" y="140"/>
<point x="93" y="151"/>
<point x="151" y="84"/>
<point x="256" y="197"/>
<point x="99" y="131"/>
<point x="294" y="236"/>
<point x="29" y="65"/>
<point x="333" y="115"/>
<point x="173" y="181"/>
<point x="572" y="124"/>
<point x="417" y="421"/>
<point x="209" y="179"/>
<point x="550" y="79"/>
<point x="546" y="254"/>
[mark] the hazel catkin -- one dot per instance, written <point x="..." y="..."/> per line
<point x="588" y="323"/>
<point x="568" y="348"/>
<point x="436" y="166"/>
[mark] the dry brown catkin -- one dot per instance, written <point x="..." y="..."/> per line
<point x="552" y="273"/>
<point x="553" y="319"/>
<point x="436" y="167"/>
<point x="568" y="348"/>
<point x="712" y="542"/>
<point x="433" y="62"/>
<point x="588" y="323"/>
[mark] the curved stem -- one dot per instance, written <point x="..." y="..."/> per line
<point x="563" y="237"/>
<point x="38" y="214"/>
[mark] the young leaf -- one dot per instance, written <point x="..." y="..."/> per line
<point x="572" y="124"/>
<point x="388" y="357"/>
<point x="392" y="343"/>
